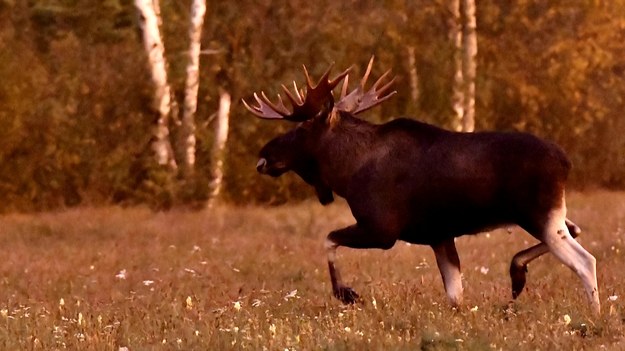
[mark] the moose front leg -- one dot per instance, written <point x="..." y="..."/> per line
<point x="356" y="237"/>
<point x="449" y="265"/>
<point x="324" y="194"/>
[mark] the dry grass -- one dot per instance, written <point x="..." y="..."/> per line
<point x="255" y="278"/>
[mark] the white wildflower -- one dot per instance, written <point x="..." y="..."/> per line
<point x="121" y="275"/>
<point x="567" y="319"/>
<point x="613" y="298"/>
<point x="148" y="282"/>
<point x="189" y="303"/>
<point x="291" y="294"/>
<point x="237" y="305"/>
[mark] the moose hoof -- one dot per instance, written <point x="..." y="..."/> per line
<point x="346" y="295"/>
<point x="517" y="274"/>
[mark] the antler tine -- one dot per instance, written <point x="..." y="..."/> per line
<point x="249" y="108"/>
<point x="299" y="96"/>
<point x="309" y="82"/>
<point x="292" y="98"/>
<point x="333" y="83"/>
<point x="279" y="107"/>
<point x="379" y="91"/>
<point x="379" y="81"/>
<point x="359" y="99"/>
<point x="324" y="78"/>
<point x="375" y="95"/>
<point x="366" y="76"/>
<point x="266" y="109"/>
<point x="263" y="110"/>
<point x="344" y="87"/>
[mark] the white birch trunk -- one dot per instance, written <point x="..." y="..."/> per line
<point x="455" y="34"/>
<point x="149" y="21"/>
<point x="198" y="10"/>
<point x="469" y="64"/>
<point x="414" y="77"/>
<point x="219" y="146"/>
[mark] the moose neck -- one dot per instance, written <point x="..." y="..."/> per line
<point x="342" y="149"/>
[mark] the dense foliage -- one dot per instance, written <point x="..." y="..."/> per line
<point x="75" y="98"/>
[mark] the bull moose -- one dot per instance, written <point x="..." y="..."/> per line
<point x="412" y="181"/>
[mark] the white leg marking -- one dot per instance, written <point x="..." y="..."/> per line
<point x="330" y="247"/>
<point x="572" y="254"/>
<point x="449" y="266"/>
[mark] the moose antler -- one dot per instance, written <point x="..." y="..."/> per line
<point x="306" y="105"/>
<point x="359" y="100"/>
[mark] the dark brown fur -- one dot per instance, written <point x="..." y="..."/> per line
<point x="411" y="181"/>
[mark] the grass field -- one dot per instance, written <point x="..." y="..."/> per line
<point x="256" y="278"/>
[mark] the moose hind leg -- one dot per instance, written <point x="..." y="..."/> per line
<point x="449" y="265"/>
<point x="354" y="236"/>
<point x="556" y="236"/>
<point x="518" y="266"/>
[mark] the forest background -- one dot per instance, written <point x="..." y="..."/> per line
<point x="76" y="95"/>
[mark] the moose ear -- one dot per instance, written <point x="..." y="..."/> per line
<point x="333" y="117"/>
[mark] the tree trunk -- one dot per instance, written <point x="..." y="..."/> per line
<point x="198" y="9"/>
<point x="455" y="34"/>
<point x="219" y="146"/>
<point x="469" y="64"/>
<point x="414" y="77"/>
<point x="149" y="21"/>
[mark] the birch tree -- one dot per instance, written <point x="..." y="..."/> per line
<point x="469" y="65"/>
<point x="414" y="77"/>
<point x="219" y="146"/>
<point x="455" y="34"/>
<point x="167" y="104"/>
<point x="198" y="10"/>
<point x="463" y="33"/>
<point x="149" y="21"/>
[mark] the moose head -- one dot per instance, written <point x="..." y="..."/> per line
<point x="317" y="111"/>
